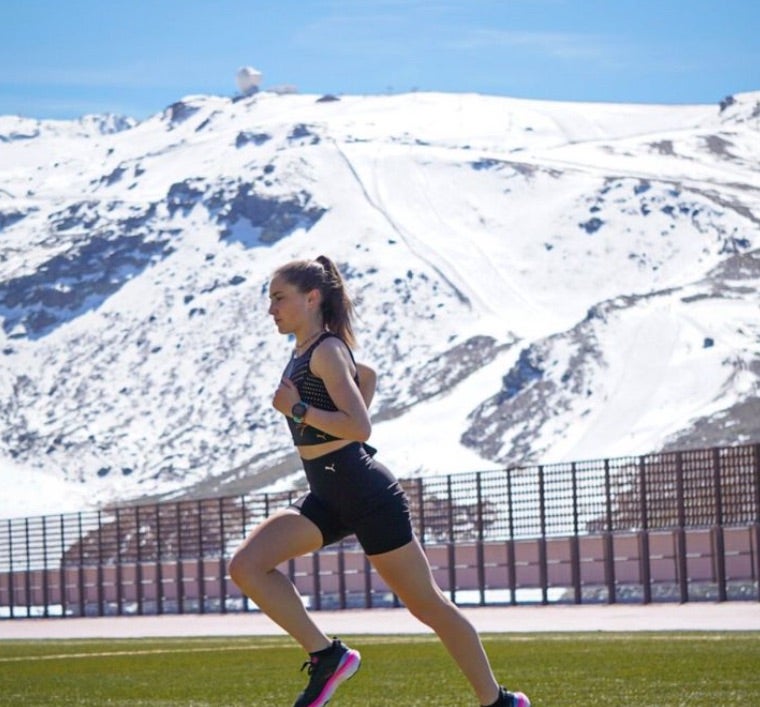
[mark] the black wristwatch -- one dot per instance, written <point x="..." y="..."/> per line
<point x="298" y="411"/>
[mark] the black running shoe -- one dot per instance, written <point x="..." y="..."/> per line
<point x="512" y="699"/>
<point x="327" y="672"/>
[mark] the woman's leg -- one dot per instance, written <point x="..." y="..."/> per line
<point x="281" y="537"/>
<point x="407" y="572"/>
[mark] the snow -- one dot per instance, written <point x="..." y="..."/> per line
<point x="424" y="442"/>
<point x="30" y="492"/>
<point x="478" y="208"/>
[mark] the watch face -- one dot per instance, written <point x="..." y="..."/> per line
<point x="299" y="410"/>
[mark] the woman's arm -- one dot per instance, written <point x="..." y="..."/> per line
<point x="367" y="382"/>
<point x="331" y="361"/>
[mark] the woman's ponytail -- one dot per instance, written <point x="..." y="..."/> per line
<point x="337" y="308"/>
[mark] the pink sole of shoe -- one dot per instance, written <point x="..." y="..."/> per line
<point x="347" y="668"/>
<point x="521" y="700"/>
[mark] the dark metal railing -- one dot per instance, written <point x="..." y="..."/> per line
<point x="677" y="526"/>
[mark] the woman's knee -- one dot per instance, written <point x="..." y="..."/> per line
<point x="235" y="566"/>
<point x="431" y="609"/>
<point x="247" y="561"/>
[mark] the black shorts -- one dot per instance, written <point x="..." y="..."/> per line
<point x="350" y="492"/>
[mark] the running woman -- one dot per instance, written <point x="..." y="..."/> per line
<point x="324" y="394"/>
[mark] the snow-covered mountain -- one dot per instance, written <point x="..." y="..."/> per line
<point x="536" y="281"/>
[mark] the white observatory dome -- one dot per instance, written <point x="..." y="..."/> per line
<point x="248" y="80"/>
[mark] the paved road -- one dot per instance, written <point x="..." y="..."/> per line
<point x="697" y="616"/>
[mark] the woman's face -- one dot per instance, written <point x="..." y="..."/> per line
<point x="291" y="309"/>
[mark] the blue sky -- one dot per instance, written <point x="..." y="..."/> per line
<point x="67" y="58"/>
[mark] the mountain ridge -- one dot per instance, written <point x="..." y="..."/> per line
<point x="524" y="239"/>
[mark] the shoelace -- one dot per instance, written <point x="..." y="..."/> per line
<point x="311" y="664"/>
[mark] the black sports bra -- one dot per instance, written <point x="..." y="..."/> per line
<point x="312" y="390"/>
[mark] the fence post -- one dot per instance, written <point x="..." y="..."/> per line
<point x="119" y="572"/>
<point x="756" y="530"/>
<point x="609" y="548"/>
<point x="100" y="589"/>
<point x="201" y="561"/>
<point x="317" y="583"/>
<point x="367" y="583"/>
<point x="180" y="556"/>
<point x="511" y="565"/>
<point x="450" y="553"/>
<point x="543" y="569"/>
<point x="756" y="469"/>
<point x="479" y="553"/>
<point x="681" y="563"/>
<point x="62" y="567"/>
<point x="575" y="554"/>
<point x="222" y="564"/>
<point x="646" y="577"/>
<point x="80" y="572"/>
<point x="244" y="523"/>
<point x="45" y="591"/>
<point x="421" y="519"/>
<point x="342" y="577"/>
<point x="159" y="563"/>
<point x="138" y="564"/>
<point x="720" y="548"/>
<point x="27" y="569"/>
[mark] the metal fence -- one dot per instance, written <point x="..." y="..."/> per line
<point x="680" y="526"/>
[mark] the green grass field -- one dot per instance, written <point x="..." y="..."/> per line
<point x="605" y="669"/>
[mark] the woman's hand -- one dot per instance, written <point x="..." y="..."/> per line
<point x="285" y="397"/>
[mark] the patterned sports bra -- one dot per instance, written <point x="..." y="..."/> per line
<point x="312" y="390"/>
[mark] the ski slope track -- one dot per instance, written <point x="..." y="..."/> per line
<point x="535" y="281"/>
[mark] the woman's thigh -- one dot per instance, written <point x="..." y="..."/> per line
<point x="281" y="537"/>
